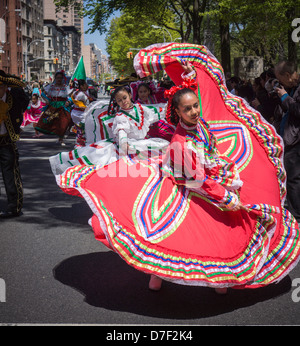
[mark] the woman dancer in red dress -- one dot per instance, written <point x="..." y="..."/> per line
<point x="201" y="214"/>
<point x="56" y="118"/>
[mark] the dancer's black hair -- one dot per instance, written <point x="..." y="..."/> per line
<point x="171" y="113"/>
<point x="144" y="84"/>
<point x="81" y="82"/>
<point x="113" y="106"/>
<point x="77" y="83"/>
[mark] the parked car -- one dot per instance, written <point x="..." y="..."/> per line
<point x="93" y="87"/>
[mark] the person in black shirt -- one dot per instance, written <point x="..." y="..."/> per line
<point x="288" y="90"/>
<point x="13" y="103"/>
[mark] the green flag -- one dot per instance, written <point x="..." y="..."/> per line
<point x="79" y="72"/>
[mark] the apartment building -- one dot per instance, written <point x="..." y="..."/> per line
<point x="55" y="48"/>
<point x="100" y="64"/>
<point x="63" y="32"/>
<point x="74" y="48"/>
<point x="65" y="18"/>
<point x="11" y="37"/>
<point x="36" y="41"/>
<point x="69" y="18"/>
<point x="88" y="58"/>
<point x="32" y="14"/>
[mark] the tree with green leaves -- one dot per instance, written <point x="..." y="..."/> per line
<point x="126" y="32"/>
<point x="189" y="13"/>
<point x="262" y="28"/>
<point x="253" y="27"/>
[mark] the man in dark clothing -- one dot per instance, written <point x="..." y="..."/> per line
<point x="289" y="129"/>
<point x="13" y="102"/>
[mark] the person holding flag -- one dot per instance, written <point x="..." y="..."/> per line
<point x="80" y="99"/>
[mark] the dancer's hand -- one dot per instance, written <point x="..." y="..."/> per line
<point x="240" y="206"/>
<point x="186" y="65"/>
<point x="124" y="149"/>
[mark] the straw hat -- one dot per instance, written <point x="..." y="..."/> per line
<point x="11" y="81"/>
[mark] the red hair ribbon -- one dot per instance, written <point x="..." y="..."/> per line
<point x="186" y="84"/>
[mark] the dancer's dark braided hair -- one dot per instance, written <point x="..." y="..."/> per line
<point x="113" y="106"/>
<point x="174" y="95"/>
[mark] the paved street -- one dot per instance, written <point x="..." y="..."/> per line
<point x="55" y="272"/>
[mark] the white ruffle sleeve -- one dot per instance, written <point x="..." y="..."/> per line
<point x="155" y="112"/>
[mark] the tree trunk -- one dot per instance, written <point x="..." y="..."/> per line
<point x="225" y="47"/>
<point x="196" y="22"/>
<point x="292" y="50"/>
<point x="292" y="46"/>
<point x="197" y="19"/>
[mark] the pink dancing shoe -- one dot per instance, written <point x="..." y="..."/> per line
<point x="221" y="290"/>
<point x="155" y="283"/>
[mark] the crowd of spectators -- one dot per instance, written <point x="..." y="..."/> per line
<point x="260" y="93"/>
<point x="276" y="95"/>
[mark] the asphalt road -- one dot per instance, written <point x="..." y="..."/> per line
<point x="53" y="271"/>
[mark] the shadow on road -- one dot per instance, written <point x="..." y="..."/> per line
<point x="44" y="203"/>
<point x="108" y="282"/>
<point x="103" y="278"/>
<point x="77" y="213"/>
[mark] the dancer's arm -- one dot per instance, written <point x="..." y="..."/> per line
<point x="189" y="170"/>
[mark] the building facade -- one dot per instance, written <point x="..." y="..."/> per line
<point x="55" y="48"/>
<point x="64" y="30"/>
<point x="36" y="41"/>
<point x="69" y="18"/>
<point x="74" y="48"/>
<point x="11" y="36"/>
<point x="100" y="66"/>
<point x="65" y="18"/>
<point x="88" y="57"/>
<point x="32" y="14"/>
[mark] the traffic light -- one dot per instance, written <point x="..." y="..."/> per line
<point x="129" y="55"/>
<point x="55" y="60"/>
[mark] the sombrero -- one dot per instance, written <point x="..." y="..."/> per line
<point x="11" y="81"/>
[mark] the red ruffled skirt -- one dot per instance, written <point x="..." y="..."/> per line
<point x="165" y="229"/>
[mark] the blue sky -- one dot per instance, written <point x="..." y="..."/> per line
<point x="96" y="38"/>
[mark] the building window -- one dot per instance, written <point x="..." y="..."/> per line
<point x="49" y="44"/>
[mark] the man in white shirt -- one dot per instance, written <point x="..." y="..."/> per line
<point x="13" y="102"/>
